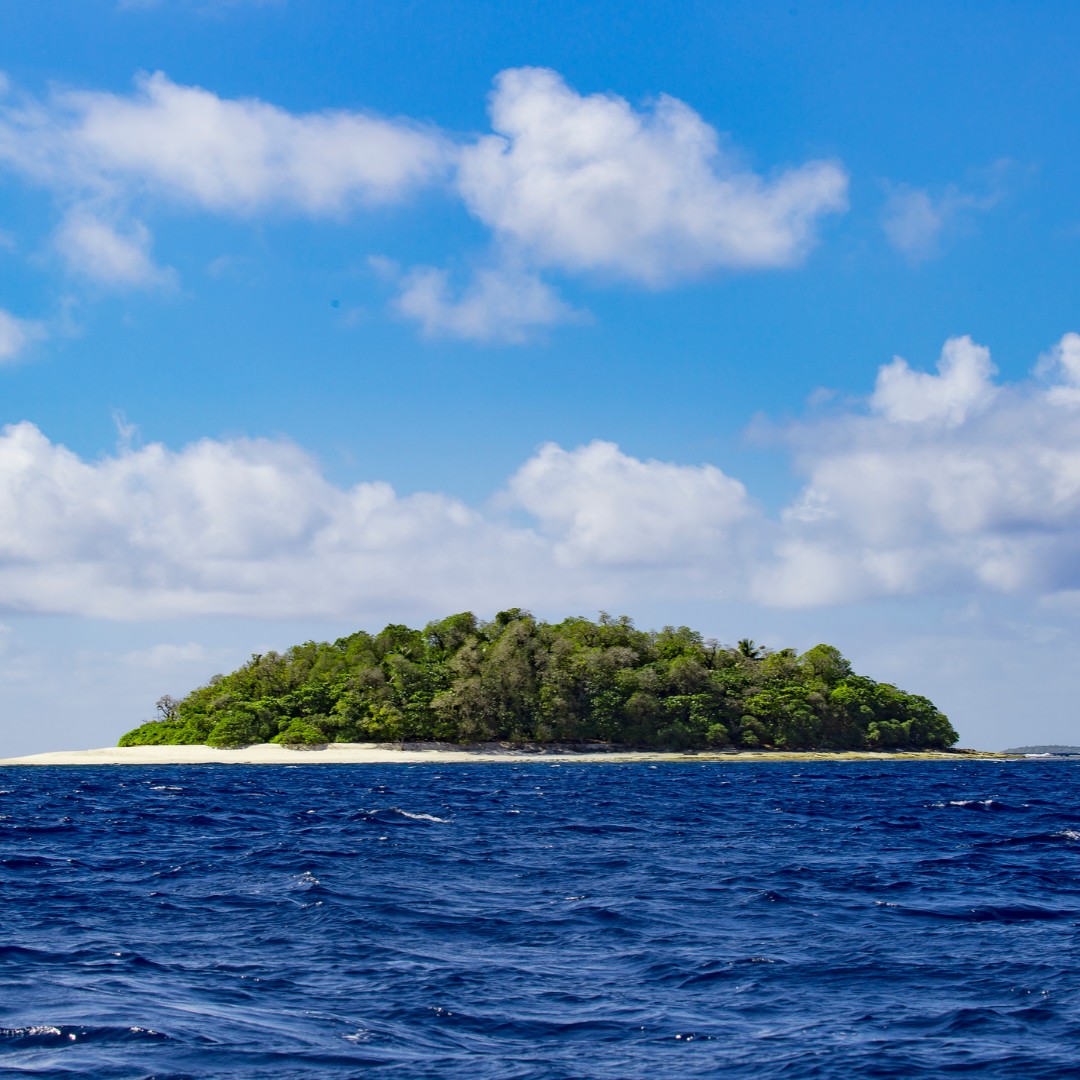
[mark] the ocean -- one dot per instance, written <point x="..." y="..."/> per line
<point x="537" y="919"/>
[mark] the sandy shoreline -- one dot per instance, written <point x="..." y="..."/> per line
<point x="382" y="754"/>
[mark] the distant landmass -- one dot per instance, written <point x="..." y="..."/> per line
<point x="1055" y="751"/>
<point x="521" y="680"/>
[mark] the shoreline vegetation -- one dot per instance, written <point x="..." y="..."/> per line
<point x="518" y="680"/>
<point x="442" y="753"/>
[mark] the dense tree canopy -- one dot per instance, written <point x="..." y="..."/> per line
<point x="518" y="679"/>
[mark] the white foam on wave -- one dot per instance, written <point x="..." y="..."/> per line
<point x="967" y="804"/>
<point x="1068" y="834"/>
<point x="420" y="817"/>
<point x="34" y="1030"/>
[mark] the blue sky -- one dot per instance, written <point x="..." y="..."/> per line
<point x="757" y="317"/>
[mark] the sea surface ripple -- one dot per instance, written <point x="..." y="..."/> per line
<point x="541" y="919"/>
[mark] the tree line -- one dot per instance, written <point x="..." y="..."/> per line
<point x="518" y="679"/>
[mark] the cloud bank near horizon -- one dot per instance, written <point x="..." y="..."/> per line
<point x="946" y="482"/>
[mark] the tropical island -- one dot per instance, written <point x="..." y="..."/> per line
<point x="521" y="681"/>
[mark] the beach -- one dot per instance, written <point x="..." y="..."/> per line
<point x="412" y="754"/>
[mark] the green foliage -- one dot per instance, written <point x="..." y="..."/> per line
<point x="236" y="727"/>
<point x="157" y="733"/>
<point x="302" y="733"/>
<point x="518" y="679"/>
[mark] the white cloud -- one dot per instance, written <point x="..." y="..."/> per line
<point x="962" y="386"/>
<point x="98" y="250"/>
<point x="917" y="221"/>
<point x="954" y="484"/>
<point x="590" y="184"/>
<point x="16" y="335"/>
<point x="253" y="528"/>
<point x="244" y="155"/>
<point x="944" y="485"/>
<point x="1062" y="363"/>
<point x="236" y="156"/>
<point x="167" y="656"/>
<point x="103" y="152"/>
<point x="582" y="184"/>
<point x="913" y="222"/>
<point x="241" y="527"/>
<point x="600" y="506"/>
<point x="498" y="305"/>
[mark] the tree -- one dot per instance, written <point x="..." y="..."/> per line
<point x="168" y="708"/>
<point x="300" y="733"/>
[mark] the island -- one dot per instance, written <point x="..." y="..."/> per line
<point x="528" y="684"/>
<point x="1055" y="750"/>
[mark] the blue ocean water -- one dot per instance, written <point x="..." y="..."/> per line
<point x="541" y="920"/>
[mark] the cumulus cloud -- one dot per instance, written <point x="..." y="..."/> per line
<point x="253" y="528"/>
<point x="1060" y="367"/>
<point x="101" y="153"/>
<point x="600" y="506"/>
<point x="588" y="183"/>
<point x="566" y="182"/>
<point x="500" y="304"/>
<point x="961" y="386"/>
<point x="951" y="483"/>
<point x="237" y="156"/>
<point x="244" y="155"/>
<point x="944" y="483"/>
<point x="16" y="335"/>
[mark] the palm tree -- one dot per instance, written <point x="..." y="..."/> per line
<point x="750" y="649"/>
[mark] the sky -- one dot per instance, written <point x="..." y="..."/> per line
<point x="755" y="317"/>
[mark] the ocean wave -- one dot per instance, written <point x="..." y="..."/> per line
<point x="51" y="1035"/>
<point x="974" y="804"/>
<point x="1004" y="913"/>
<point x="394" y="815"/>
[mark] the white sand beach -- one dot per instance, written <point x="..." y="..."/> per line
<point x="412" y="754"/>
